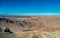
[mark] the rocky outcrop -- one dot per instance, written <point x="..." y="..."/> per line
<point x="8" y="30"/>
<point x="6" y="20"/>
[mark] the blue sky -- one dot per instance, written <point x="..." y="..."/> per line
<point x="29" y="7"/>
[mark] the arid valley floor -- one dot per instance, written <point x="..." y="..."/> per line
<point x="30" y="27"/>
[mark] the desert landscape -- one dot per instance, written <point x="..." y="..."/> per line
<point x="30" y="27"/>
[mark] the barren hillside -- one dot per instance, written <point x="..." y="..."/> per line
<point x="34" y="27"/>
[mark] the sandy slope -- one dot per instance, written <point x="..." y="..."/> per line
<point x="37" y="34"/>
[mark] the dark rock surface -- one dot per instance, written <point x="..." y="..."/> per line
<point x="0" y="29"/>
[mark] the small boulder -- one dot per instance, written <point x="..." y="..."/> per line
<point x="8" y="30"/>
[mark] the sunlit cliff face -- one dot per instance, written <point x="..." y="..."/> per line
<point x="36" y="27"/>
